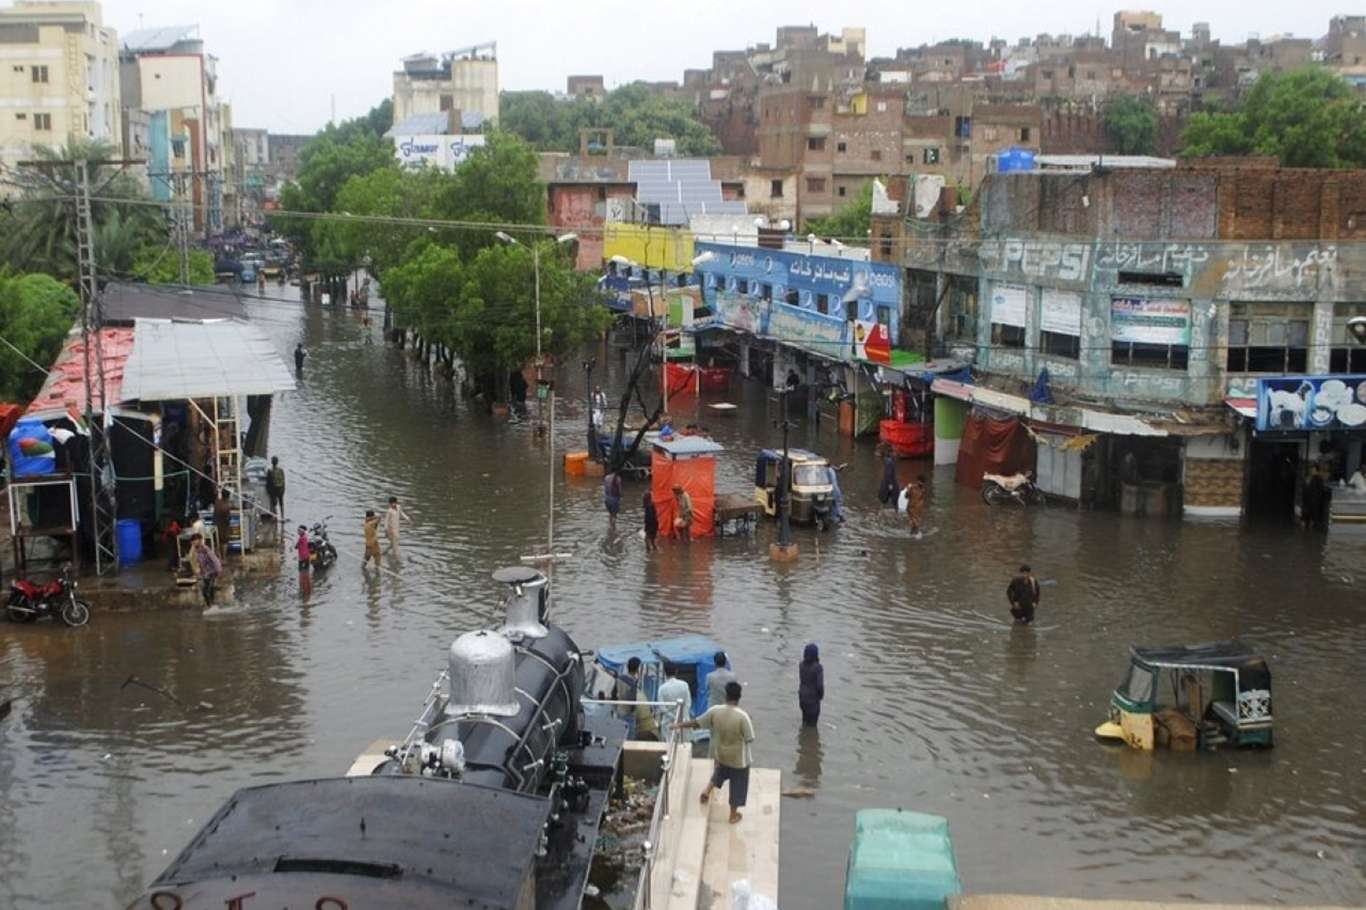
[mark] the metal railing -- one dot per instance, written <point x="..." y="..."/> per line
<point x="644" y="898"/>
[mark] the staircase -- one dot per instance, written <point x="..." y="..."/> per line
<point x="702" y="854"/>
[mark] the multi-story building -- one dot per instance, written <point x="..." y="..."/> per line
<point x="464" y="80"/>
<point x="590" y="88"/>
<point x="1139" y="319"/>
<point x="58" y="78"/>
<point x="1344" y="48"/>
<point x="167" y="73"/>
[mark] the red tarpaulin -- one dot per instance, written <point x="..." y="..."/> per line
<point x="685" y="377"/>
<point x="698" y="477"/>
<point x="993" y="447"/>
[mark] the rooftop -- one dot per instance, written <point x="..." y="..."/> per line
<point x="437" y="124"/>
<point x="159" y="39"/>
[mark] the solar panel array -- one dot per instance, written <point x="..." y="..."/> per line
<point x="680" y="188"/>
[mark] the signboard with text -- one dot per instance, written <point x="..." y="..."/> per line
<point x="1318" y="403"/>
<point x="1008" y="304"/>
<point x="446" y="152"/>
<point x="1145" y="320"/>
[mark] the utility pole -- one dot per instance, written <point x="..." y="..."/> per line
<point x="784" y="550"/>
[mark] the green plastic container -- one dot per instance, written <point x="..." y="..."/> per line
<point x="900" y="861"/>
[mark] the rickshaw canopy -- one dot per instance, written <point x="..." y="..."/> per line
<point x="1253" y="672"/>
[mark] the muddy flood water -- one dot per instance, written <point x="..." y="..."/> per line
<point x="934" y="702"/>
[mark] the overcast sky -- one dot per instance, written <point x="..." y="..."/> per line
<point x="281" y="62"/>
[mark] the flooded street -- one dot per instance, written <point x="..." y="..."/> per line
<point x="934" y="702"/>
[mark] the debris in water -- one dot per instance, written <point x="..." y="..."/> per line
<point x="799" y="793"/>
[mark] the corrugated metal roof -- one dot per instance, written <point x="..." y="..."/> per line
<point x="159" y="39"/>
<point x="172" y="360"/>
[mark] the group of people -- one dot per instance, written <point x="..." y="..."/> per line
<point x="394" y="516"/>
<point x="910" y="499"/>
<point x="731" y="728"/>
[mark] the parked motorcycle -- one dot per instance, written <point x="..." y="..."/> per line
<point x="1016" y="488"/>
<point x="30" y="601"/>
<point x="321" y="553"/>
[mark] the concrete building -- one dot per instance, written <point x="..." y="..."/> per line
<point x="590" y="88"/>
<point x="464" y="80"/>
<point x="1162" y="303"/>
<point x="58" y="80"/>
<point x="167" y="73"/>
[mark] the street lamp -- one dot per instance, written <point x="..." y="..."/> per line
<point x="505" y="237"/>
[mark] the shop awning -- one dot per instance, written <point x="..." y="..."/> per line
<point x="173" y="360"/>
<point x="1245" y="407"/>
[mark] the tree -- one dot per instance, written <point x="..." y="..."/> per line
<point x="38" y="228"/>
<point x="161" y="265"/>
<point x="852" y="222"/>
<point x="36" y="314"/>
<point x="1308" y="117"/>
<point x="1131" y="126"/>
<point x="636" y="115"/>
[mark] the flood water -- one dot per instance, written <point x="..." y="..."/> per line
<point x="933" y="701"/>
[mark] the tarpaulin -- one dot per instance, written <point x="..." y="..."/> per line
<point x="698" y="478"/>
<point x="993" y="447"/>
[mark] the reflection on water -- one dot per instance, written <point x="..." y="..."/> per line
<point x="934" y="701"/>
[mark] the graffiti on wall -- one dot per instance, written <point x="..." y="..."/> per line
<point x="1051" y="259"/>
<point x="1273" y="267"/>
<point x="742" y="312"/>
<point x="1160" y="258"/>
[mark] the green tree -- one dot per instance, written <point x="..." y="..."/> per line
<point x="1308" y="117"/>
<point x="1131" y="126"/>
<point x="161" y="265"/>
<point x="36" y="314"/>
<point x="636" y="115"/>
<point x="38" y="228"/>
<point x="851" y="223"/>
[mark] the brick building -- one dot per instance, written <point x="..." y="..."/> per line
<point x="1163" y="305"/>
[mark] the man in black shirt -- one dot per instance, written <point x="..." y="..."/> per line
<point x="1023" y="594"/>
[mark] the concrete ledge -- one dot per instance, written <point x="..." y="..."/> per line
<point x="1030" y="902"/>
<point x="642" y="760"/>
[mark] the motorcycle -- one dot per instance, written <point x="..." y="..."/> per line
<point x="30" y="601"/>
<point x="321" y="553"/>
<point x="1017" y="488"/>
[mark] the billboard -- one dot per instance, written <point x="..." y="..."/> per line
<point x="1145" y="320"/>
<point x="446" y="152"/>
<point x="1318" y="403"/>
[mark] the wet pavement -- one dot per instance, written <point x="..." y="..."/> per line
<point x="934" y="702"/>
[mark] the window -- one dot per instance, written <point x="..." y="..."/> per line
<point x="815" y="184"/>
<point x="791" y="298"/>
<point x="875" y="154"/>
<point x="1091" y="74"/>
<point x="21" y="116"/>
<point x="42" y="121"/>
<point x="886" y="245"/>
<point x="823" y="306"/>
<point x="962" y="308"/>
<point x="1268" y="337"/>
<point x="741" y="286"/>
<point x="962" y="127"/>
<point x="447" y="102"/>
<point x="851" y="310"/>
<point x="40" y="74"/>
<point x="817" y="101"/>
<point x="1060" y="323"/>
<point x="740" y="191"/>
<point x="841" y="146"/>
<point x="815" y="144"/>
<point x="775" y="189"/>
<point x="841" y="190"/>
<point x="1347" y="355"/>
<point x="178" y="148"/>
<point x="930" y="156"/>
<point x="881" y="107"/>
<point x="1008" y="305"/>
<point x="18" y="69"/>
<point x="884" y="316"/>
<point x="766" y="292"/>
<point x="1024" y="134"/>
<point x="1150" y="332"/>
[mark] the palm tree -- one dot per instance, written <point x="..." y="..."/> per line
<point x="38" y="228"/>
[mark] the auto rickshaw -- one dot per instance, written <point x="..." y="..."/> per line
<point x="1192" y="697"/>
<point x="808" y="484"/>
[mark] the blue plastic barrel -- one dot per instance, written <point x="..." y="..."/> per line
<point x="129" y="531"/>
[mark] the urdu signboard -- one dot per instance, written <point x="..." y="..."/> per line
<point x="1143" y="320"/>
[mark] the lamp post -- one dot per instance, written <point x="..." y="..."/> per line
<point x="507" y="238"/>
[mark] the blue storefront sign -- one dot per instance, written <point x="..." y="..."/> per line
<point x="1317" y="403"/>
<point x="799" y="299"/>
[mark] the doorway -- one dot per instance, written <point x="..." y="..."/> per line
<point x="1273" y="474"/>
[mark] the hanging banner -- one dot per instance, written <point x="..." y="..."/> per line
<point x="1311" y="403"/>
<point x="1060" y="312"/>
<point x="1150" y="321"/>
<point x="1008" y="304"/>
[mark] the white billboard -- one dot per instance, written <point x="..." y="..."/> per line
<point x="446" y="152"/>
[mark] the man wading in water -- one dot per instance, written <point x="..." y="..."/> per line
<point x="1023" y="594"/>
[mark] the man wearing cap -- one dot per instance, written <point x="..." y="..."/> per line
<point x="682" y="513"/>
